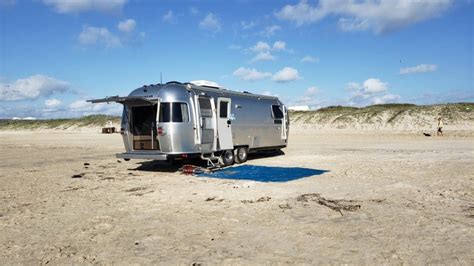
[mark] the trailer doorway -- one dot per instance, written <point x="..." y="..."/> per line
<point x="143" y="127"/>
<point x="207" y="124"/>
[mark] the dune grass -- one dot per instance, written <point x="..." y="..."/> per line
<point x="385" y="114"/>
<point x="342" y="114"/>
<point x="63" y="123"/>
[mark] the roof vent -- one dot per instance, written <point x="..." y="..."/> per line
<point x="206" y="83"/>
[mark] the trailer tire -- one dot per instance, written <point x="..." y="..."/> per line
<point x="240" y="154"/>
<point x="227" y="157"/>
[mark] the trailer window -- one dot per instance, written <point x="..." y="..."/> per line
<point x="174" y="112"/>
<point x="205" y="103"/>
<point x="223" y="109"/>
<point x="165" y="112"/>
<point x="277" y="112"/>
<point x="205" y="106"/>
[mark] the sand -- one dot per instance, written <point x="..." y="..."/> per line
<point x="389" y="199"/>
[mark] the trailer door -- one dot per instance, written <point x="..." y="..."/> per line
<point x="224" y="124"/>
<point x="284" y="126"/>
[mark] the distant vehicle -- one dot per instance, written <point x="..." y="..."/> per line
<point x="187" y="120"/>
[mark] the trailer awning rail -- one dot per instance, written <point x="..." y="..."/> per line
<point x="125" y="100"/>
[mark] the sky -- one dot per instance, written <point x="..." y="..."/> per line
<point x="55" y="55"/>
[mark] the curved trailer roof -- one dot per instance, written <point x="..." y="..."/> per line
<point x="146" y="94"/>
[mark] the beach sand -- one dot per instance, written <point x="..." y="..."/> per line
<point x="382" y="198"/>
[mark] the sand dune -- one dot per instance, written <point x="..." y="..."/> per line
<point x="391" y="117"/>
<point x="400" y="117"/>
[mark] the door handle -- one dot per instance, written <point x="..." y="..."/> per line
<point x="228" y="122"/>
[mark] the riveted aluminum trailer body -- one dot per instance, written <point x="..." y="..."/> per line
<point x="173" y="120"/>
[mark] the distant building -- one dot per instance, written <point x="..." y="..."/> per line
<point x="24" y="118"/>
<point x="299" y="108"/>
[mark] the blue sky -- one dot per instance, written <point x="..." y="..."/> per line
<point x="55" y="54"/>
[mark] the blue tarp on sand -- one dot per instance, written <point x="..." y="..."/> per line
<point x="264" y="173"/>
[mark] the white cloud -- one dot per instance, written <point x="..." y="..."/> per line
<point x="418" y="69"/>
<point x="309" y="59"/>
<point x="387" y="98"/>
<point x="301" y="13"/>
<point x="349" y="24"/>
<point x="169" y="17"/>
<point x="270" y="30"/>
<point x="353" y="86"/>
<point x="250" y="74"/>
<point x="56" y="109"/>
<point x="285" y="75"/>
<point x="263" y="50"/>
<point x="260" y="47"/>
<point x="312" y="90"/>
<point x="371" y="91"/>
<point x="279" y="46"/>
<point x="127" y="25"/>
<point x="96" y="35"/>
<point x="262" y="56"/>
<point x="373" y="85"/>
<point x="82" y="107"/>
<point x="32" y="87"/>
<point x="380" y="16"/>
<point x="246" y="25"/>
<point x="211" y="23"/>
<point x="265" y="47"/>
<point x="77" y="6"/>
<point x="309" y="100"/>
<point x="51" y="103"/>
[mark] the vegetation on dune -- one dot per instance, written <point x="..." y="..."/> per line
<point x="385" y="115"/>
<point x="338" y="108"/>
<point x="63" y="123"/>
<point x="374" y="116"/>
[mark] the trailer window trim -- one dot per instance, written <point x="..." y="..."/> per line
<point x="280" y="114"/>
<point x="168" y="108"/>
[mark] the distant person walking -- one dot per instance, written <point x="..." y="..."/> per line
<point x="440" y="126"/>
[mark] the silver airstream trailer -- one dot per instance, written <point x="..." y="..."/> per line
<point x="199" y="119"/>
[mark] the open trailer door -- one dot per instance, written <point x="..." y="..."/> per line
<point x="285" y="124"/>
<point x="140" y="120"/>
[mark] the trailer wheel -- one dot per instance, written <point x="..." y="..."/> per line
<point x="240" y="154"/>
<point x="227" y="157"/>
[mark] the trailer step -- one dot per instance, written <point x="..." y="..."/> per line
<point x="210" y="159"/>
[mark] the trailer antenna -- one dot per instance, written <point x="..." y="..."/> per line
<point x="161" y="78"/>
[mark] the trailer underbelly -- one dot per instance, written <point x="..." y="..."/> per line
<point x="143" y="155"/>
